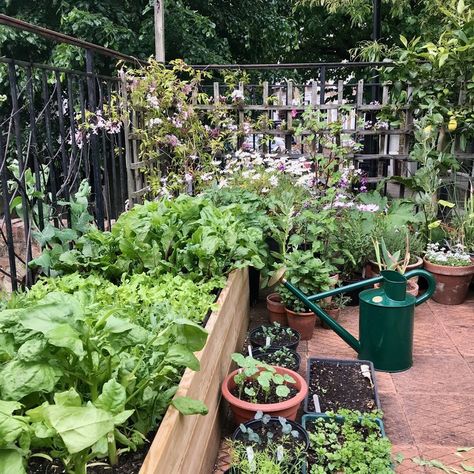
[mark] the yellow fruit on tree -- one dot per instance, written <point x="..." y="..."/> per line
<point x="452" y="124"/>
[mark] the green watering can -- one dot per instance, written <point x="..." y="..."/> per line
<point x="386" y="316"/>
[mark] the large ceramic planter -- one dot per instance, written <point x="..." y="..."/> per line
<point x="276" y="310"/>
<point x="244" y="411"/>
<point x="452" y="283"/>
<point x="302" y="322"/>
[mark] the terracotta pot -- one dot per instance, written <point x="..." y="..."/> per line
<point x="276" y="310"/>
<point x="452" y="283"/>
<point x="245" y="411"/>
<point x="334" y="313"/>
<point x="302" y="322"/>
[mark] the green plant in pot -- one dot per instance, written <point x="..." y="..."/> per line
<point x="453" y="269"/>
<point x="334" y="307"/>
<point x="388" y="261"/>
<point x="257" y="386"/>
<point x="311" y="275"/>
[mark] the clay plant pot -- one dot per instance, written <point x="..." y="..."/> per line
<point x="334" y="313"/>
<point x="244" y="411"/>
<point x="302" y="322"/>
<point x="276" y="310"/>
<point x="452" y="283"/>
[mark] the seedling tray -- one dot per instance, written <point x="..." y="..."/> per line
<point x="342" y="387"/>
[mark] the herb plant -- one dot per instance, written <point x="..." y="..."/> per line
<point x="258" y="381"/>
<point x="353" y="445"/>
<point x="308" y="273"/>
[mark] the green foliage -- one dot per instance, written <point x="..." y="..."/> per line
<point x="273" y="458"/>
<point x="309" y="274"/>
<point x="186" y="236"/>
<point x="266" y="380"/>
<point x="94" y="365"/>
<point x="353" y="445"/>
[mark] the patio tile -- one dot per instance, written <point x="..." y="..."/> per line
<point x="440" y="419"/>
<point x="448" y="455"/>
<point x="395" y="422"/>
<point x="407" y="466"/>
<point x="385" y="382"/>
<point x="430" y="374"/>
<point x="430" y="336"/>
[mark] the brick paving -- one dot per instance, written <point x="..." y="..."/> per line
<point x="428" y="409"/>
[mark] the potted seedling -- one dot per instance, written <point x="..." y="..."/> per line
<point x="347" y="442"/>
<point x="282" y="357"/>
<point x="267" y="442"/>
<point x="453" y="269"/>
<point x="334" y="308"/>
<point x="258" y="386"/>
<point x="311" y="275"/>
<point x="275" y="336"/>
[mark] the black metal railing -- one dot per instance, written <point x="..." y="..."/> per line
<point x="43" y="153"/>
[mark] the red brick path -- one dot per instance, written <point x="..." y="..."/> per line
<point x="429" y="409"/>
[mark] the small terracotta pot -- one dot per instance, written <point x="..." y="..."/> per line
<point x="334" y="313"/>
<point x="302" y="322"/>
<point x="452" y="283"/>
<point x="245" y="411"/>
<point x="412" y="287"/>
<point x="276" y="310"/>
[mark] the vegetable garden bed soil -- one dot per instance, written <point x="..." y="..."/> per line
<point x="340" y="386"/>
<point x="272" y="398"/>
<point x="129" y="463"/>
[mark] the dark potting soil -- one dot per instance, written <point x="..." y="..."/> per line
<point x="261" y="397"/>
<point x="129" y="463"/>
<point x="280" y="339"/>
<point x="340" y="386"/>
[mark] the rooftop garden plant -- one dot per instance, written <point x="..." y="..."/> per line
<point x="259" y="382"/>
<point x="451" y="257"/>
<point x="352" y="443"/>
<point x="308" y="273"/>
<point x="268" y="444"/>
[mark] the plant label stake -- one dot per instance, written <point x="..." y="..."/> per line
<point x="250" y="350"/>
<point x="267" y="341"/>
<point x="385" y="320"/>
<point x="317" y="406"/>
<point x="280" y="453"/>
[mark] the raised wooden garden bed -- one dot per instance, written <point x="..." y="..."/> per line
<point x="189" y="444"/>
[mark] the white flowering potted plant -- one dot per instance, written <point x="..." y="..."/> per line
<point x="452" y="268"/>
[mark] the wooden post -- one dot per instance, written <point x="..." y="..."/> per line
<point x="160" y="30"/>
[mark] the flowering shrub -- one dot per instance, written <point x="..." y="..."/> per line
<point x="447" y="257"/>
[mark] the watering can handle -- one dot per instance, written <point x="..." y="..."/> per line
<point x="431" y="284"/>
